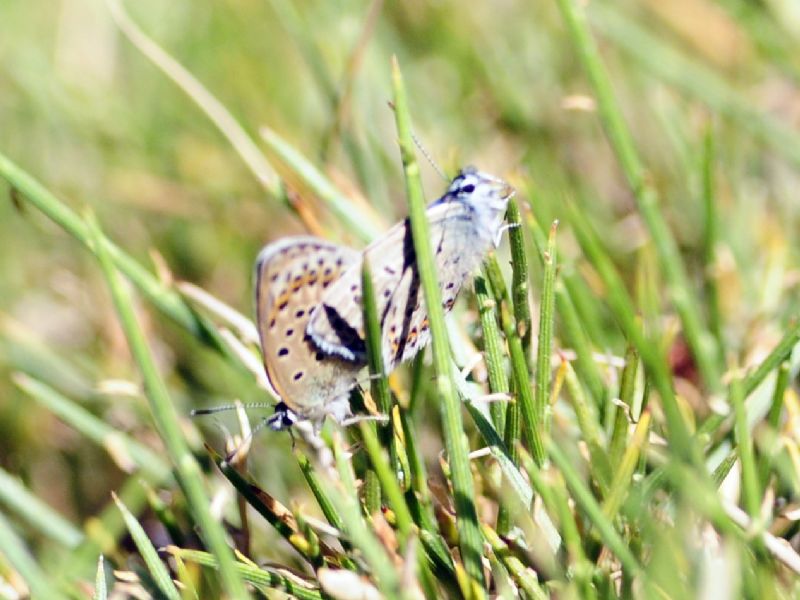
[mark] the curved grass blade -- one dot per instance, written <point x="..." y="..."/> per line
<point x="470" y="541"/>
<point x="155" y="567"/>
<point x="281" y="580"/>
<point x="166" y="421"/>
<point x="19" y="557"/>
<point x="703" y="345"/>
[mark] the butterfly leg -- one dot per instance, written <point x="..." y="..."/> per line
<point x="498" y="238"/>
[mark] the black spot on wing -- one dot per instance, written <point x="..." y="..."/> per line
<point x="347" y="335"/>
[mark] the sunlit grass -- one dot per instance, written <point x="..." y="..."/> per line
<point x="648" y="344"/>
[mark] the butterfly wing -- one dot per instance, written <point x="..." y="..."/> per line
<point x="291" y="277"/>
<point x="338" y="321"/>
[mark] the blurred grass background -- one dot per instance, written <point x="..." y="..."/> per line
<point x="498" y="85"/>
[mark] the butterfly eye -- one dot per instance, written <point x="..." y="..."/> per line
<point x="468" y="189"/>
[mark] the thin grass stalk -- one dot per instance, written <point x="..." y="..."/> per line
<point x="521" y="490"/>
<point x="166" y="420"/>
<point x="522" y="411"/>
<point x="371" y="492"/>
<point x="419" y="502"/>
<point x="498" y="381"/>
<point x="572" y="325"/>
<point x="158" y="571"/>
<point x="524" y="578"/>
<point x="418" y="472"/>
<point x="624" y="469"/>
<point x="546" y="319"/>
<point x="379" y="385"/>
<point x="554" y="503"/>
<point x="773" y="420"/>
<point x="358" y="532"/>
<point x="314" y="483"/>
<point x="365" y="227"/>
<point x="394" y="494"/>
<point x="388" y="481"/>
<point x="100" y="587"/>
<point x="188" y="589"/>
<point x="19" y="499"/>
<point x="750" y="491"/>
<point x="589" y="425"/>
<point x="619" y="433"/>
<point x="724" y="468"/>
<point x="621" y="305"/>
<point x="692" y="77"/>
<point x="283" y="581"/>
<point x="18" y="556"/>
<point x="751" y="381"/>
<point x="164" y="513"/>
<point x="586" y="501"/>
<point x="710" y="236"/>
<point x="701" y="342"/>
<point x="280" y="517"/>
<point x="213" y="108"/>
<point x="150" y="463"/>
<point x="581" y="568"/>
<point x="519" y="277"/>
<point x="164" y="298"/>
<point x="492" y="350"/>
<point x="470" y="541"/>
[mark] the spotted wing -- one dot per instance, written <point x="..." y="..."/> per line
<point x="291" y="277"/>
<point x="399" y="297"/>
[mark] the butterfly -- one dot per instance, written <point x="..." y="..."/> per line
<point x="313" y="373"/>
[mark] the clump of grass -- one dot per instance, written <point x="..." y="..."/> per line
<point x="604" y="473"/>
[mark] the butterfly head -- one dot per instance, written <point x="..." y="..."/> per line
<point x="487" y="197"/>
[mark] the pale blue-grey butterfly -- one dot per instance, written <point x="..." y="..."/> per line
<point x="313" y="373"/>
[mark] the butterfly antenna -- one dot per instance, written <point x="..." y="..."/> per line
<point x="425" y="153"/>
<point x="199" y="412"/>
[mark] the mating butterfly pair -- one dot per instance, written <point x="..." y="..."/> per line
<point x="308" y="297"/>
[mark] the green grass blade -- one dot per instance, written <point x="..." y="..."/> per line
<point x="583" y="497"/>
<point x="519" y="276"/>
<point x="284" y="581"/>
<point x="492" y="351"/>
<point x="470" y="541"/>
<point x="275" y="514"/>
<point x="213" y="108"/>
<point x="14" y="551"/>
<point x="621" y="305"/>
<point x="158" y="571"/>
<point x="524" y="577"/>
<point x="744" y="441"/>
<point x="166" y="421"/>
<point x="619" y="433"/>
<point x="360" y="535"/>
<point x="777" y="355"/>
<point x="349" y="214"/>
<point x="663" y="61"/>
<point x="38" y="514"/>
<point x="150" y="463"/>
<point x="701" y="342"/>
<point x="317" y="488"/>
<point x="624" y="469"/>
<point x="573" y="332"/>
<point x="710" y="237"/>
<point x="164" y="298"/>
<point x="546" y="318"/>
<point x="522" y="411"/>
<point x="589" y="425"/>
<point x="100" y="588"/>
